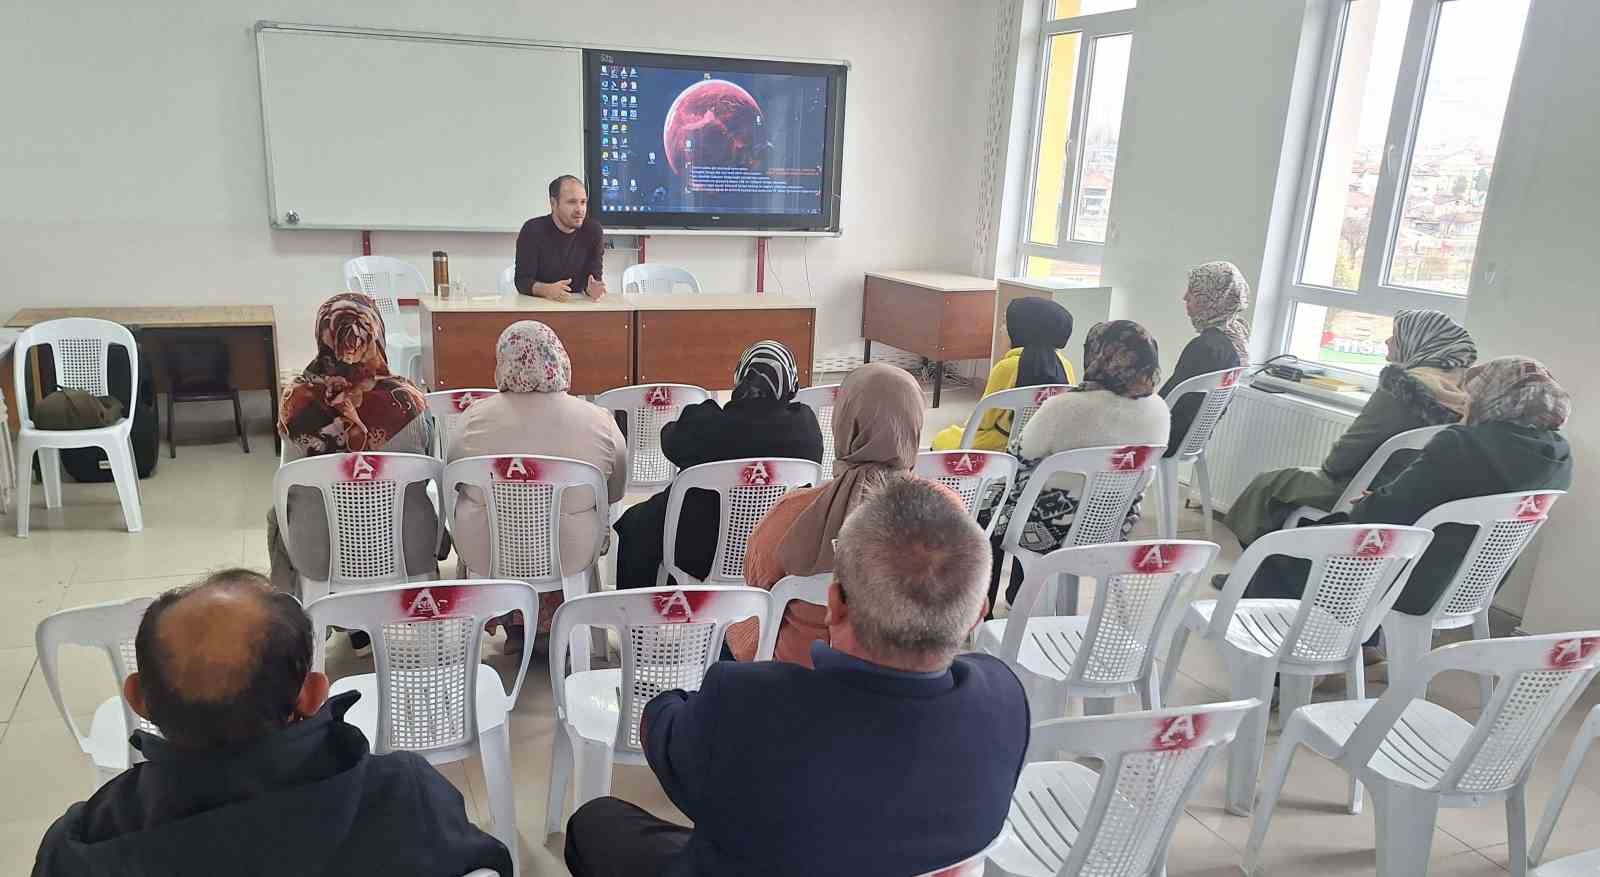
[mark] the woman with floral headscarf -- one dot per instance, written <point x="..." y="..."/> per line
<point x="1115" y="405"/>
<point x="534" y="414"/>
<point x="347" y="400"/>
<point x="1428" y="355"/>
<point x="1215" y="299"/>
<point x="762" y="420"/>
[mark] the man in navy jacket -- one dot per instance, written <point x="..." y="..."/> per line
<point x="893" y="757"/>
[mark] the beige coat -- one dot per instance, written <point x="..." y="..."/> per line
<point x="549" y="425"/>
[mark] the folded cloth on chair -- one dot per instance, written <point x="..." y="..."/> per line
<point x="75" y="409"/>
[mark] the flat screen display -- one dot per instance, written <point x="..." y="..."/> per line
<point x="695" y="142"/>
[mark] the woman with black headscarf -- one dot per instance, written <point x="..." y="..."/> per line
<point x="1039" y="329"/>
<point x="762" y="420"/>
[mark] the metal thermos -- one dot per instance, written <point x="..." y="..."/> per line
<point x="441" y="273"/>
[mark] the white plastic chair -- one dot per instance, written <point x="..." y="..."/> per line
<point x="430" y="695"/>
<point x="649" y="407"/>
<point x="1357" y="572"/>
<point x="1410" y="440"/>
<point x="972" y="866"/>
<point x="1124" y="813"/>
<point x="1585" y="864"/>
<point x="747" y="490"/>
<point x="670" y="636"/>
<point x="522" y="496"/>
<point x="820" y="400"/>
<point x="1111" y="652"/>
<point x="811" y="589"/>
<point x="653" y="277"/>
<point x="79" y="347"/>
<point x="506" y="284"/>
<point x="1417" y="756"/>
<point x="1218" y="387"/>
<point x="1506" y="524"/>
<point x="983" y="479"/>
<point x="387" y="280"/>
<point x="1113" y="478"/>
<point x="364" y="497"/>
<point x="1022" y="402"/>
<point x="447" y="407"/>
<point x="110" y="627"/>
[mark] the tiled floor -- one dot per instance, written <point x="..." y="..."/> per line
<point x="207" y="509"/>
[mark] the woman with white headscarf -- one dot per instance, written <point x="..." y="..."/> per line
<point x="534" y="414"/>
<point x="1428" y="355"/>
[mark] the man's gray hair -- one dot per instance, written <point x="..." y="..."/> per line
<point x="913" y="565"/>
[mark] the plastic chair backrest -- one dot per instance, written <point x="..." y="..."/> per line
<point x="1113" y="477"/>
<point x="820" y="400"/>
<point x="811" y="589"/>
<point x="1410" y="440"/>
<point x="1218" y="387"/>
<point x="79" y="348"/>
<point x="1153" y="762"/>
<point x="649" y="407"/>
<point x="1587" y="734"/>
<point x="747" y="489"/>
<point x="506" y="283"/>
<point x="1357" y="572"/>
<point x="1023" y="402"/>
<point x="364" y="497"/>
<point x="1138" y="584"/>
<point x="1541" y="677"/>
<point x="670" y="636"/>
<point x="387" y="280"/>
<point x="522" y="495"/>
<point x="425" y="643"/>
<point x="447" y="407"/>
<point x="983" y="479"/>
<point x="1506" y="523"/>
<point x="654" y="277"/>
<point x="109" y="627"/>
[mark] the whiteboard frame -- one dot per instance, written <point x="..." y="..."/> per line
<point x="265" y="25"/>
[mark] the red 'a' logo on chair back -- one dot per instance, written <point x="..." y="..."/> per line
<point x="433" y="602"/>
<point x="1229" y="378"/>
<point x="680" y="607"/>
<point x="1045" y="394"/>
<point x="516" y="469"/>
<point x="1568" y="654"/>
<point x="461" y="400"/>
<point x="658" y="397"/>
<point x="1178" y="732"/>
<point x="1533" y="507"/>
<point x="965" y="465"/>
<point x="361" y="467"/>
<point x="1157" y="558"/>
<point x="1130" y="458"/>
<point x="756" y="474"/>
<point x="1373" y="543"/>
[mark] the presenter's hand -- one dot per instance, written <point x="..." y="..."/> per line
<point x="596" y="289"/>
<point x="561" y="290"/>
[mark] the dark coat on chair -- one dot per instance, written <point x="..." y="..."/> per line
<point x="1208" y="352"/>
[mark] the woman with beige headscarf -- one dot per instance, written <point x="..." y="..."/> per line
<point x="877" y="428"/>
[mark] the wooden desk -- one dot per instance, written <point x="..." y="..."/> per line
<point x="250" y="331"/>
<point x="619" y="340"/>
<point x="933" y="314"/>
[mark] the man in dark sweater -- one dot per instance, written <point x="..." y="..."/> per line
<point x="254" y="774"/>
<point x="893" y="756"/>
<point x="559" y="254"/>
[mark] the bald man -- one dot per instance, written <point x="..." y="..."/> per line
<point x="255" y="771"/>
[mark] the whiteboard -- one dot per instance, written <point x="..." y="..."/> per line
<point x="381" y="130"/>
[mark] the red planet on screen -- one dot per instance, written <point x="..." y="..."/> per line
<point x="713" y="122"/>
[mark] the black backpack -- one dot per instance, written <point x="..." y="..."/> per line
<point x="89" y="465"/>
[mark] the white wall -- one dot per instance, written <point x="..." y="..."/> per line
<point x="133" y="173"/>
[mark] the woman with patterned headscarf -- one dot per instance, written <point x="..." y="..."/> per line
<point x="533" y="414"/>
<point x="347" y="400"/>
<point x="761" y="420"/>
<point x="1215" y="300"/>
<point x="1421" y="386"/>
<point x="1115" y="405"/>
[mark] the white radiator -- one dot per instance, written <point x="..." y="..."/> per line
<point x="1266" y="431"/>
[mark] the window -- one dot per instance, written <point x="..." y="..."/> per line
<point x="1404" y="143"/>
<point x="1084" y="55"/>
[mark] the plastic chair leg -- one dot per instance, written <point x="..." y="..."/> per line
<point x="1202" y="477"/>
<point x="127" y="480"/>
<point x="1406" y="639"/>
<point x="50" y="474"/>
<point x="1149" y="692"/>
<point x="1168" y="470"/>
<point x="1355" y="679"/>
<point x="1405" y="818"/>
<point x="1099" y="706"/>
<point x="494" y="746"/>
<point x="1066" y="595"/>
<point x="1480" y="630"/>
<point x="1248" y="679"/>
<point x="1294" y="692"/>
<point x="1169" y="670"/>
<point x="591" y="774"/>
<point x="1271" y="789"/>
<point x="24" y="500"/>
<point x="1517" y="830"/>
<point x="561" y="759"/>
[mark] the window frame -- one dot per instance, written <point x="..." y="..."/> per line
<point x="1090" y="28"/>
<point x="1374" y="294"/>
